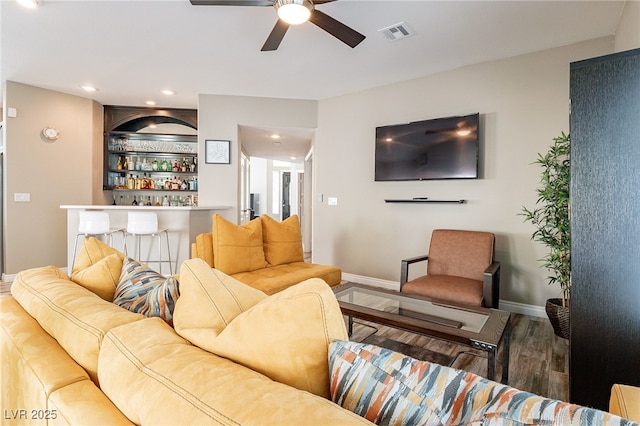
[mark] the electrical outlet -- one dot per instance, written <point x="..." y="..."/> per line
<point x="332" y="201"/>
<point x="22" y="197"/>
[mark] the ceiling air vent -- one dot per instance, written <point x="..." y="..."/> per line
<point x="396" y="32"/>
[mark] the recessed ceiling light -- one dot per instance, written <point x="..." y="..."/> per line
<point x="168" y="92"/>
<point x="88" y="88"/>
<point x="31" y="4"/>
<point x="293" y="157"/>
<point x="150" y="102"/>
<point x="275" y="136"/>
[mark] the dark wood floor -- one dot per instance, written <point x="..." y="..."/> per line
<point x="538" y="359"/>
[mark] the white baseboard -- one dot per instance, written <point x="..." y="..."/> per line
<point x="8" y="278"/>
<point x="505" y="305"/>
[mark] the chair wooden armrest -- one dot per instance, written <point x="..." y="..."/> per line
<point x="404" y="268"/>
<point x="491" y="285"/>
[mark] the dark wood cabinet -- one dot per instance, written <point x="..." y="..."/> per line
<point x="605" y="226"/>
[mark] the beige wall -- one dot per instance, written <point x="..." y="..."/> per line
<point x="53" y="173"/>
<point x="523" y="102"/>
<point x="219" y="118"/>
<point x="628" y="31"/>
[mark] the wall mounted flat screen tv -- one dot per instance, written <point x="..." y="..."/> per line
<point x="442" y="148"/>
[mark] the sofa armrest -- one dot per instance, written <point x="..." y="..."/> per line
<point x="625" y="402"/>
<point x="404" y="268"/>
<point x="203" y="248"/>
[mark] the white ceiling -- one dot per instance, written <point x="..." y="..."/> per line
<point x="130" y="50"/>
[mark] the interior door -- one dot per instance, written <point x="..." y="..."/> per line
<point x="245" y="176"/>
<point x="286" y="197"/>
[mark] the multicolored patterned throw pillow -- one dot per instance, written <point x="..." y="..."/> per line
<point x="389" y="388"/>
<point x="145" y="291"/>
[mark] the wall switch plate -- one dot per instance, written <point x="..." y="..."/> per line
<point x="22" y="197"/>
<point x="332" y="201"/>
<point x="12" y="112"/>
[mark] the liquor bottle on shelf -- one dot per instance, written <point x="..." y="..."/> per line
<point x="165" y="201"/>
<point x="119" y="164"/>
<point x="135" y="202"/>
<point x="148" y="203"/>
<point x="193" y="164"/>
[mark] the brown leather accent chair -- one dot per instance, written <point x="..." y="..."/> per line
<point x="460" y="269"/>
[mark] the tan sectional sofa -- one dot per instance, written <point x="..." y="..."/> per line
<point x="70" y="357"/>
<point x="263" y="253"/>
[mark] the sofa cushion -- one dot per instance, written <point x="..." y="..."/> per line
<point x="156" y="377"/>
<point x="97" y="267"/>
<point x="387" y="387"/>
<point x="209" y="301"/>
<point x="77" y="318"/>
<point x="273" y="279"/>
<point x="82" y="403"/>
<point x="282" y="240"/>
<point x="33" y="365"/>
<point x="204" y="247"/>
<point x="237" y="248"/>
<point x="145" y="291"/>
<point x="102" y="277"/>
<point x="92" y="251"/>
<point x="285" y="336"/>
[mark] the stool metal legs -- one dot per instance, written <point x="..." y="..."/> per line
<point x="160" y="259"/>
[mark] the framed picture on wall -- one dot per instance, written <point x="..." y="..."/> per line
<point x="217" y="152"/>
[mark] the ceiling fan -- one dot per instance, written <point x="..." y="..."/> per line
<point x="284" y="8"/>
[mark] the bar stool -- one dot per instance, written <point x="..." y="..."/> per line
<point x="141" y="224"/>
<point x="94" y="224"/>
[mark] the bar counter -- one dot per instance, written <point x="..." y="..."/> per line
<point x="183" y="224"/>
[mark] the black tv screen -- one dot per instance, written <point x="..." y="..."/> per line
<point x="442" y="148"/>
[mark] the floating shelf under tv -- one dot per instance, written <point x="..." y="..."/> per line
<point x="424" y="200"/>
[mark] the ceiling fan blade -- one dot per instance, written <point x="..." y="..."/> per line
<point x="336" y="28"/>
<point x="231" y="2"/>
<point x="276" y="36"/>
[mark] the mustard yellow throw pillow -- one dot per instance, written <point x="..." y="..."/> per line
<point x="102" y="277"/>
<point x="97" y="268"/>
<point x="282" y="240"/>
<point x="285" y="336"/>
<point x="237" y="248"/>
<point x="209" y="301"/>
<point x="92" y="251"/>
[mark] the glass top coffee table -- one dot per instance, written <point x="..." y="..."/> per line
<point x="478" y="328"/>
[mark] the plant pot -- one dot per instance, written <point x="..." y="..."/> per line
<point x="558" y="316"/>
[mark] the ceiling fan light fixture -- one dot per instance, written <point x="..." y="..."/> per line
<point x="29" y="4"/>
<point x="293" y="12"/>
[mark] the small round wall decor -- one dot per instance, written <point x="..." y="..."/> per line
<point x="50" y="133"/>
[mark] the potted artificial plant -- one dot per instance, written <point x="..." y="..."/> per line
<point x="551" y="219"/>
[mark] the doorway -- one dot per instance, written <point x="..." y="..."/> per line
<point x="276" y="175"/>
<point x="285" y="195"/>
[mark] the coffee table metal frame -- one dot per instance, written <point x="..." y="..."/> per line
<point x="496" y="329"/>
